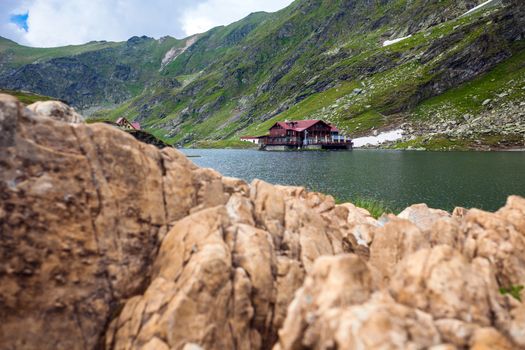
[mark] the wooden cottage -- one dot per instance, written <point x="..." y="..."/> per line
<point x="126" y="124"/>
<point x="304" y="134"/>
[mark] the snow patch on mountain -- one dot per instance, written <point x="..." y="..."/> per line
<point x="390" y="42"/>
<point x="392" y="135"/>
<point x="482" y="6"/>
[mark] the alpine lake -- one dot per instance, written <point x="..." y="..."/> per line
<point x="399" y="179"/>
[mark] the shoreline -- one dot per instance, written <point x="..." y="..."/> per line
<point x="520" y="149"/>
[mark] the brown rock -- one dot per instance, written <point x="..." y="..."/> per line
<point x="490" y="339"/>
<point x="269" y="208"/>
<point x="438" y="299"/>
<point x="188" y="300"/>
<point x="232" y="185"/>
<point x="433" y="280"/>
<point x="361" y="224"/>
<point x="455" y="331"/>
<point x="514" y="212"/>
<point x="497" y="237"/>
<point x="333" y="282"/>
<point x="375" y="324"/>
<point x="459" y="212"/>
<point x="210" y="189"/>
<point x="516" y="328"/>
<point x="422" y="216"/>
<point x="220" y="282"/>
<point x="447" y="231"/>
<point x="392" y="242"/>
<point x="83" y="211"/>
<point x="240" y="209"/>
<point x="290" y="277"/>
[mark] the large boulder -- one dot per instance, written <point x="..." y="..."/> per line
<point x="498" y="237"/>
<point x="333" y="283"/>
<point x="442" y="282"/>
<point x="82" y="214"/>
<point x="422" y="216"/>
<point x="56" y="110"/>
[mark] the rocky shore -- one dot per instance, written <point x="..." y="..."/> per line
<point x="500" y="127"/>
<point x="109" y="243"/>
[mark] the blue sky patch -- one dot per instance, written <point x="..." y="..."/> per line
<point x="20" y="20"/>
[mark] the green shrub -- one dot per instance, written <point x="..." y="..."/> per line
<point x="513" y="291"/>
<point x="375" y="207"/>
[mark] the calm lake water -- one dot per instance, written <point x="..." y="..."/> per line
<point x="442" y="180"/>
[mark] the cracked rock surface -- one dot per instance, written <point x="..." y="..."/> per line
<point x="83" y="210"/>
<point x="432" y="282"/>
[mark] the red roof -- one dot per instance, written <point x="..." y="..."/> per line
<point x="127" y="124"/>
<point x="301" y="125"/>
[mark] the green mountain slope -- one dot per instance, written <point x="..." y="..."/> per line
<point x="26" y="98"/>
<point x="315" y="58"/>
<point x="94" y="74"/>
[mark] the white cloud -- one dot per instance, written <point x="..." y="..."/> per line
<point x="65" y="22"/>
<point x="212" y="13"/>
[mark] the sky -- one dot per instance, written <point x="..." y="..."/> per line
<point x="49" y="23"/>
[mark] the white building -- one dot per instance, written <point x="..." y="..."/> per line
<point x="252" y="139"/>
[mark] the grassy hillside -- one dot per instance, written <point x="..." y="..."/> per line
<point x="17" y="55"/>
<point x="314" y="59"/>
<point x="26" y="98"/>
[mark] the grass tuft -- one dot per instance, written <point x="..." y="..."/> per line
<point x="513" y="291"/>
<point x="375" y="207"/>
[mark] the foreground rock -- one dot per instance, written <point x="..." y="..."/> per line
<point x="107" y="242"/>
<point x="83" y="214"/>
<point x="436" y="284"/>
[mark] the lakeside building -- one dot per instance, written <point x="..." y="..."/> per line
<point x="126" y="124"/>
<point x="303" y="134"/>
<point x="252" y="139"/>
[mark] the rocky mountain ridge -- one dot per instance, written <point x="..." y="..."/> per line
<point x="91" y="75"/>
<point x="313" y="59"/>
<point x="109" y="243"/>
